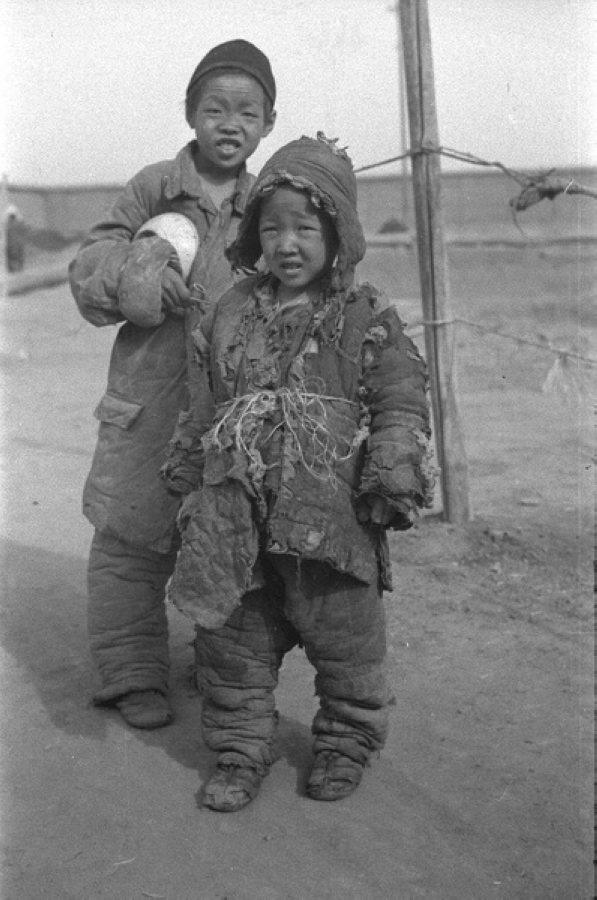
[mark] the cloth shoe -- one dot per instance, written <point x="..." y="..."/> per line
<point x="333" y="776"/>
<point x="145" y="709"/>
<point x="231" y="787"/>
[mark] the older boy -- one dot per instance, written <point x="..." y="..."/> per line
<point x="230" y="106"/>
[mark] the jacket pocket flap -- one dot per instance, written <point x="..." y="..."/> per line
<point x="117" y="411"/>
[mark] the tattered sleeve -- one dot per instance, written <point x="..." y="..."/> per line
<point x="106" y="260"/>
<point x="396" y="464"/>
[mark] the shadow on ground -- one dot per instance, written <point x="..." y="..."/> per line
<point x="43" y="634"/>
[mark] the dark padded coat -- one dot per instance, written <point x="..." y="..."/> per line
<point x="118" y="282"/>
<point x="345" y="406"/>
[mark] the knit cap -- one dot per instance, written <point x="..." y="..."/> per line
<point x="324" y="171"/>
<point x="237" y="54"/>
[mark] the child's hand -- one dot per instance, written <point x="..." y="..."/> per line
<point x="176" y="297"/>
<point x="374" y="509"/>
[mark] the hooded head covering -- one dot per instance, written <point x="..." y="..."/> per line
<point x="236" y="54"/>
<point x="324" y="171"/>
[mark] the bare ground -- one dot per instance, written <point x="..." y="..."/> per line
<point x="485" y="787"/>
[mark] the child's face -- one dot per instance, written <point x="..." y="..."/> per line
<point x="230" y="121"/>
<point x="298" y="242"/>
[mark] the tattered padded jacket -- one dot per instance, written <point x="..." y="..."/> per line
<point x="301" y="416"/>
<point x="115" y="280"/>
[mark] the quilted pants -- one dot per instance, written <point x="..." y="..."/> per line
<point x="126" y="617"/>
<point x="341" y="624"/>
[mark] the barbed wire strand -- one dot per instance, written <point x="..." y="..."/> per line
<point x="556" y="351"/>
<point x="535" y="187"/>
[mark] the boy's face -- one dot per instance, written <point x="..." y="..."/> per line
<point x="230" y="121"/>
<point x="298" y="242"/>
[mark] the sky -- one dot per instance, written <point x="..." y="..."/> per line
<point x="96" y="87"/>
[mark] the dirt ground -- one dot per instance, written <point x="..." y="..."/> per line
<point x="485" y="787"/>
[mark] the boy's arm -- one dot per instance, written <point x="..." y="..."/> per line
<point x="397" y="478"/>
<point x="111" y="277"/>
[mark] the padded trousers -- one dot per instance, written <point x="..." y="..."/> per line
<point x="126" y="616"/>
<point x="341" y="624"/>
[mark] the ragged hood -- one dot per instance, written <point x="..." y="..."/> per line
<point x="324" y="171"/>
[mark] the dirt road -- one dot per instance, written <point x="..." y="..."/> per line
<point x="485" y="787"/>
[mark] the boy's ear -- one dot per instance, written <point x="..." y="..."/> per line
<point x="270" y="122"/>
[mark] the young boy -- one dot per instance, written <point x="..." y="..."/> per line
<point x="314" y="424"/>
<point x="115" y="279"/>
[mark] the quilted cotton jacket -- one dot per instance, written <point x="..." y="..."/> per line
<point x="301" y="416"/>
<point x="117" y="282"/>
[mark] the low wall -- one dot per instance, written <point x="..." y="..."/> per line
<point x="473" y="202"/>
<point x="69" y="209"/>
<point x="478" y="203"/>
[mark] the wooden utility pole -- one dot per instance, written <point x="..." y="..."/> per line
<point x="437" y="314"/>
<point x="403" y="126"/>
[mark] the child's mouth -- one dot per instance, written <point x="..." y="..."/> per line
<point x="228" y="148"/>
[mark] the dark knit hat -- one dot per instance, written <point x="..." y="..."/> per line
<point x="324" y="171"/>
<point x="241" y="55"/>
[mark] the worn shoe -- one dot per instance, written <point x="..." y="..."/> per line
<point x="333" y="776"/>
<point x="231" y="788"/>
<point x="145" y="709"/>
